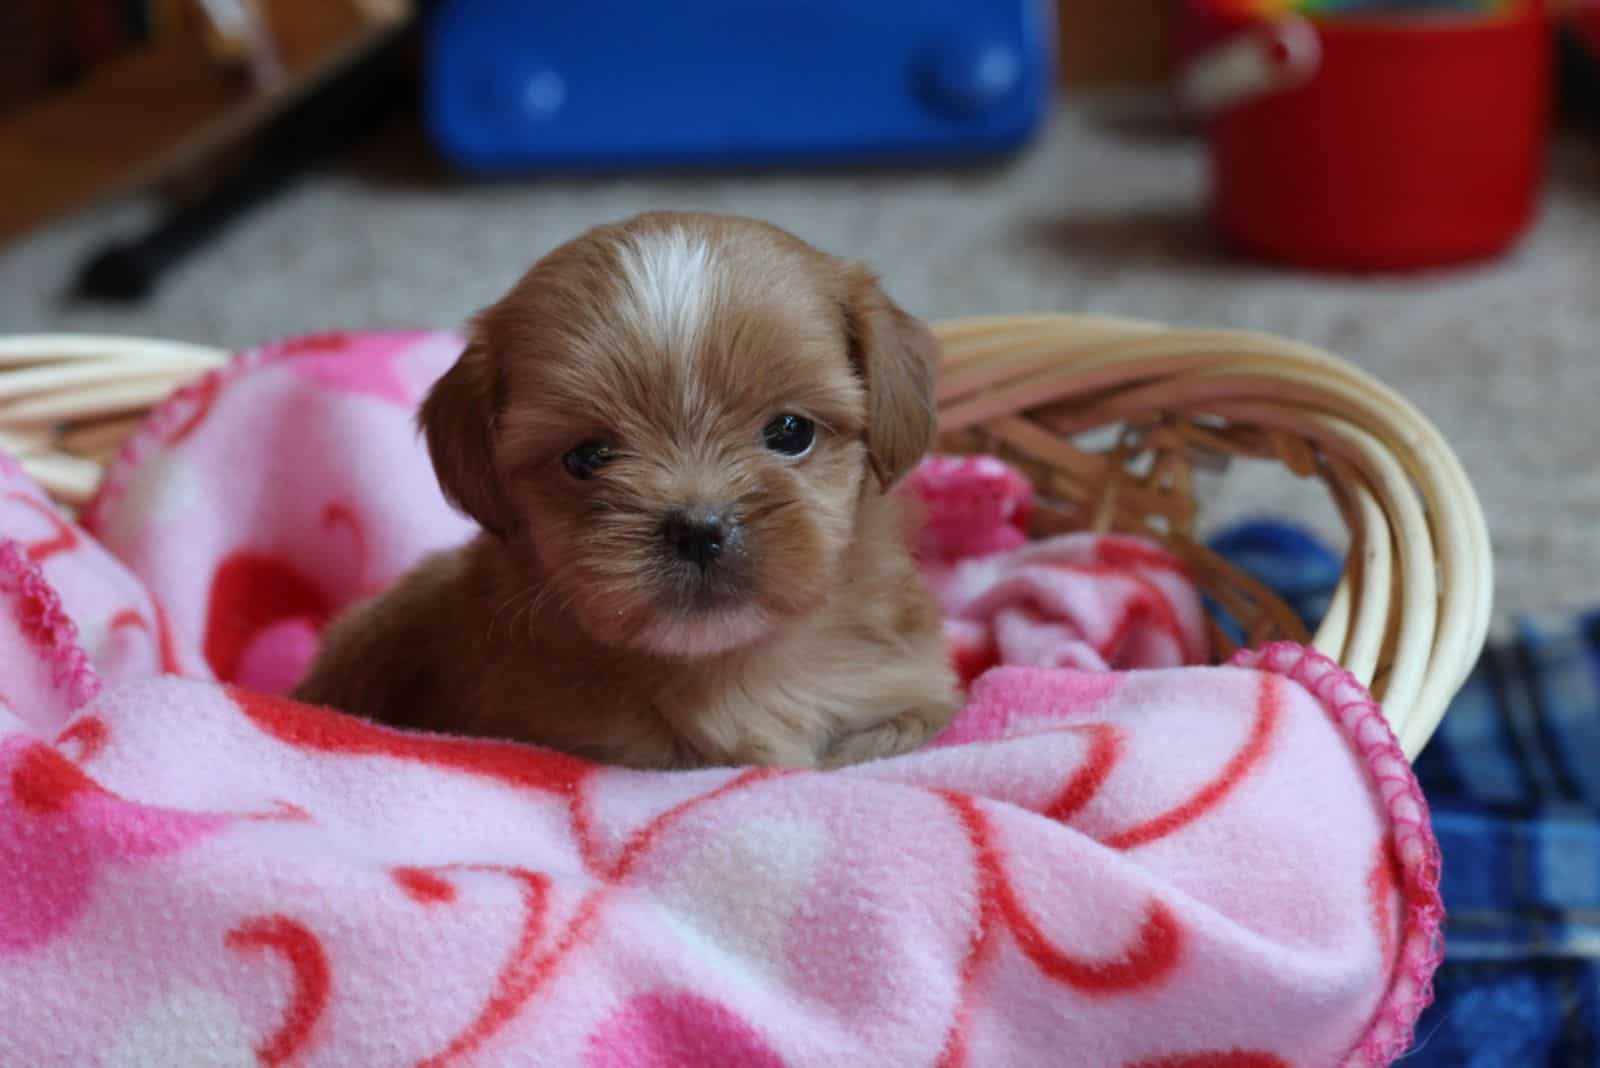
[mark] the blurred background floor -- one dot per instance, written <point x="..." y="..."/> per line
<point x="1099" y="216"/>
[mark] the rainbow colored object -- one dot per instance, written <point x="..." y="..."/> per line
<point x="1269" y="8"/>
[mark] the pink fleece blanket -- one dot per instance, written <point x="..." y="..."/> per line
<point x="1108" y="859"/>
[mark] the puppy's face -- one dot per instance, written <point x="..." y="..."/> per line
<point x="680" y="414"/>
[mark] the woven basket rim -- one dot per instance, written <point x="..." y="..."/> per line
<point x="1410" y="616"/>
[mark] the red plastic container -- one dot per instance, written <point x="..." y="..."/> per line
<point x="1372" y="143"/>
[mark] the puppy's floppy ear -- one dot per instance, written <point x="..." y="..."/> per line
<point x="897" y="357"/>
<point x="457" y="418"/>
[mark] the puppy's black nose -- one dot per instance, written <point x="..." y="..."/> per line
<point x="696" y="537"/>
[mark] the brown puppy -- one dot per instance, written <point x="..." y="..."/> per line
<point x="677" y="433"/>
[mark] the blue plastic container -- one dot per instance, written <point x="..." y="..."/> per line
<point x="516" y="86"/>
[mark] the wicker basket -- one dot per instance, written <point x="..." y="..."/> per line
<point x="1409" y="617"/>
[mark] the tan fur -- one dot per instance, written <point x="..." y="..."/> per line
<point x="541" y="629"/>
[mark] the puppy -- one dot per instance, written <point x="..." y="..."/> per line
<point x="677" y="433"/>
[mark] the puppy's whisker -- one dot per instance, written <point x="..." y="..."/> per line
<point x="529" y="610"/>
<point x="767" y="511"/>
<point x="536" y="606"/>
<point x="539" y="609"/>
<point x="529" y="592"/>
<point x="563" y="609"/>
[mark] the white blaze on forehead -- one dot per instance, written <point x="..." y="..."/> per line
<point x="670" y="284"/>
<point x="670" y="279"/>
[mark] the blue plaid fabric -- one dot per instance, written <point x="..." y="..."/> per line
<point x="1513" y="779"/>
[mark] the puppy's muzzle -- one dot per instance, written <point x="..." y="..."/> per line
<point x="698" y="536"/>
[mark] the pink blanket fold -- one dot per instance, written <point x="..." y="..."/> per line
<point x="1110" y="858"/>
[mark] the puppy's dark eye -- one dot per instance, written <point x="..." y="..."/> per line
<point x="790" y="435"/>
<point x="585" y="459"/>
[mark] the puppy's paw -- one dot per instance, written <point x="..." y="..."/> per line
<point x="773" y="753"/>
<point x="904" y="732"/>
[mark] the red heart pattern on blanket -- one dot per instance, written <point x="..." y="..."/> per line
<point x="1094" y="863"/>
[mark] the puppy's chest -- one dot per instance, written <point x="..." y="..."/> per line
<point x="650" y="714"/>
<point x="780" y="703"/>
<point x="806" y="682"/>
<point x="752" y="711"/>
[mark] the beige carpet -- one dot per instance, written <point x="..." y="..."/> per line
<point x="1097" y="217"/>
